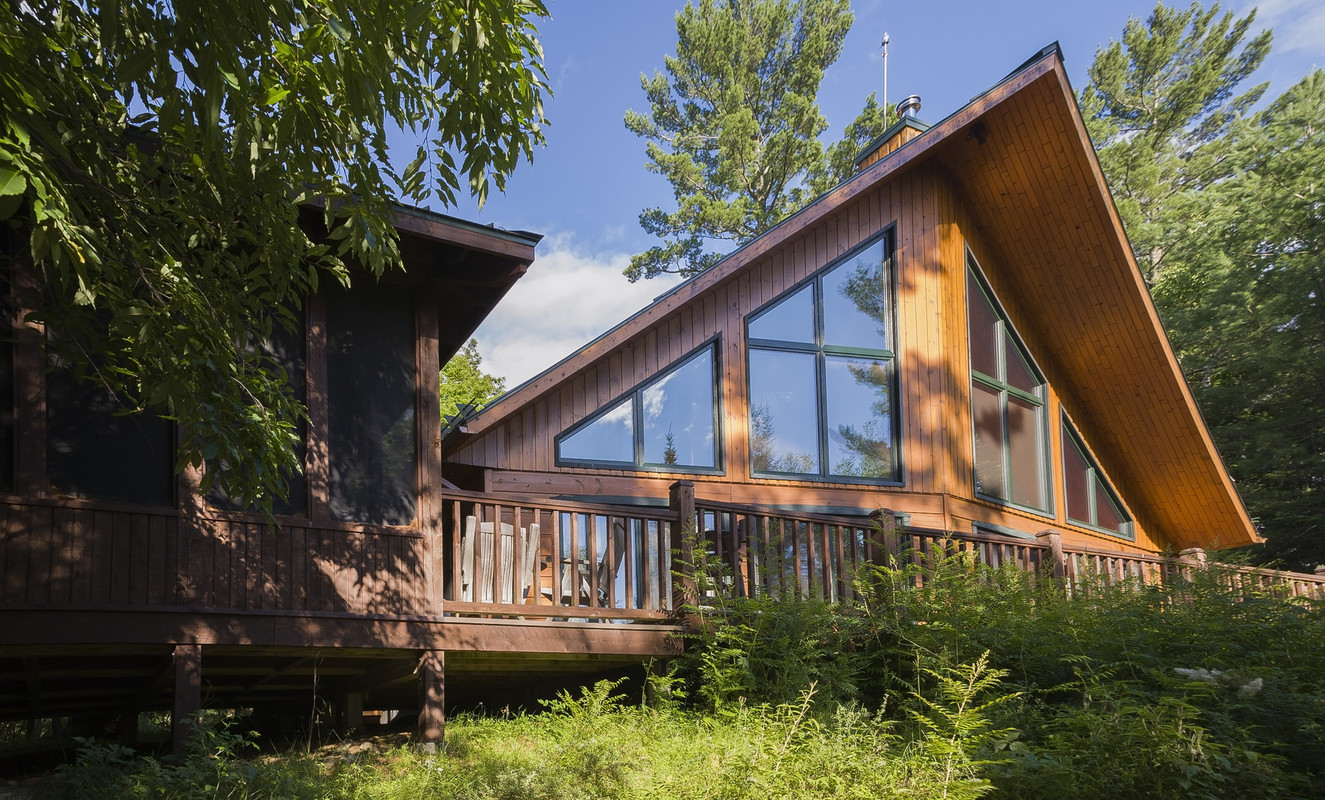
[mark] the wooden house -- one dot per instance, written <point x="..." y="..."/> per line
<point x="124" y="589"/>
<point x="958" y="334"/>
<point x="956" y="340"/>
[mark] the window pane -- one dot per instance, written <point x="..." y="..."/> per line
<point x="678" y="415"/>
<point x="286" y="348"/>
<point x="988" y="420"/>
<point x="855" y="297"/>
<point x="859" y="418"/>
<point x="983" y="324"/>
<point x="1024" y="443"/>
<point x="1019" y="372"/>
<point x="370" y="403"/>
<point x="784" y="413"/>
<point x="1075" y="477"/>
<point x="1107" y="515"/>
<point x="92" y="452"/>
<point x="610" y="437"/>
<point x="791" y="320"/>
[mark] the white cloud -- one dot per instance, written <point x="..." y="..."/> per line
<point x="1297" y="24"/>
<point x="568" y="297"/>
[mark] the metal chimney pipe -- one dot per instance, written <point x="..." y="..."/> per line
<point x="909" y="107"/>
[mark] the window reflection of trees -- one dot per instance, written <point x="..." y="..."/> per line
<point x="851" y="309"/>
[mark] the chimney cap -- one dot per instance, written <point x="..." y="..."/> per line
<point x="909" y="107"/>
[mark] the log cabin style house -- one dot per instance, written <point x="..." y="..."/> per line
<point x="955" y="340"/>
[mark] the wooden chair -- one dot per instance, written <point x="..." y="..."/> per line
<point x="477" y="548"/>
<point x="606" y="573"/>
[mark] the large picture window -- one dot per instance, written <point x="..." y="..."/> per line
<point x="1091" y="501"/>
<point x="668" y="423"/>
<point x="1007" y="405"/>
<point x="822" y="375"/>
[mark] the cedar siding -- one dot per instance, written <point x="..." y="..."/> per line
<point x="1012" y="179"/>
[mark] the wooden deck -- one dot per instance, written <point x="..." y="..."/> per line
<point x="107" y="610"/>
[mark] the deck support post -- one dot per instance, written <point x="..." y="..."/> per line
<point x="681" y="500"/>
<point x="128" y="727"/>
<point x="1057" y="561"/>
<point x="1190" y="559"/>
<point x="432" y="699"/>
<point x="351" y="712"/>
<point x="188" y="695"/>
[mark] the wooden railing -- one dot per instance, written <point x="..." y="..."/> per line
<point x="87" y="554"/>
<point x="552" y="559"/>
<point x="746" y="551"/>
<point x="515" y="557"/>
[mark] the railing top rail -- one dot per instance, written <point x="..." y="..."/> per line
<point x="552" y="504"/>
<point x="1087" y="550"/>
<point x="845" y="520"/>
<point x="1244" y="569"/>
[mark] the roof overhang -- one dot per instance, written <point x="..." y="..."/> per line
<point x="461" y="267"/>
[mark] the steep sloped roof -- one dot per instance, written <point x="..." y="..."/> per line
<point x="1019" y="158"/>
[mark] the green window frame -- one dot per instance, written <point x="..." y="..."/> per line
<point x="1091" y="492"/>
<point x="1009" y="404"/>
<point x="637" y="412"/>
<point x="827" y="348"/>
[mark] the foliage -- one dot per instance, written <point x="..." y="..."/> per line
<point x="970" y="682"/>
<point x="465" y="383"/>
<point x="733" y="125"/>
<point x="154" y="159"/>
<point x="1244" y="299"/>
<point x="1157" y="107"/>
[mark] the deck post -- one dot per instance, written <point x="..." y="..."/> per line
<point x="432" y="699"/>
<point x="188" y="695"/>
<point x="681" y="500"/>
<point x="351" y="707"/>
<point x="1055" y="541"/>
<point x="1057" y="560"/>
<point x="885" y="544"/>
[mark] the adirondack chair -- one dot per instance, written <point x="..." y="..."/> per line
<point x="477" y="548"/>
<point x="606" y="573"/>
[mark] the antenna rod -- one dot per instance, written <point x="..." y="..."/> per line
<point x="885" y="78"/>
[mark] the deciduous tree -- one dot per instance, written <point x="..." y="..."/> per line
<point x="153" y="157"/>
<point x="465" y="383"/>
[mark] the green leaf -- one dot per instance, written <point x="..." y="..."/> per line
<point x="12" y="182"/>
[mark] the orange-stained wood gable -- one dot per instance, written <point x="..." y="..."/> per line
<point x="1012" y="177"/>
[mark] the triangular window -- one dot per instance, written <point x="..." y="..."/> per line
<point x="667" y="424"/>
<point x="1091" y="500"/>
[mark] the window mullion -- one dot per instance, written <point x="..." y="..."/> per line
<point x="637" y="411"/>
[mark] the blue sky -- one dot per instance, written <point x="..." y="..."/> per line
<point x="585" y="189"/>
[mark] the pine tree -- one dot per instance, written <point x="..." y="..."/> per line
<point x="1158" y="106"/>
<point x="734" y="125"/>
<point x="1244" y="301"/>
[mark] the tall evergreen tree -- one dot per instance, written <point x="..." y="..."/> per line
<point x="1157" y="107"/>
<point x="734" y="125"/>
<point x="1244" y="300"/>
